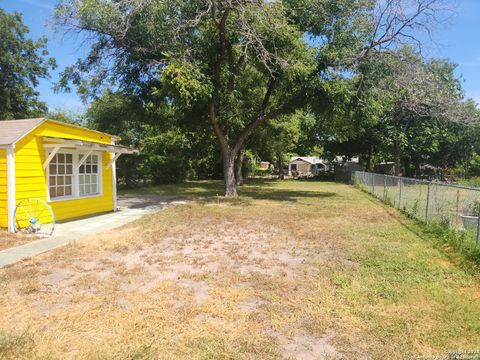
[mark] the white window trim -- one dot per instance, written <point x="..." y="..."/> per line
<point x="75" y="181"/>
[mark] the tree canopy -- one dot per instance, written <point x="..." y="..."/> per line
<point x="23" y="62"/>
<point x="234" y="63"/>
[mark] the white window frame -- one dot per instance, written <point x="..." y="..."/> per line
<point x="98" y="173"/>
<point x="76" y="155"/>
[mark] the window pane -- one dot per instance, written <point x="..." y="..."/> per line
<point x="88" y="169"/>
<point x="82" y="189"/>
<point x="82" y="169"/>
<point x="94" y="188"/>
<point x="81" y="179"/>
<point x="95" y="169"/>
<point x="88" y="189"/>
<point x="61" y="185"/>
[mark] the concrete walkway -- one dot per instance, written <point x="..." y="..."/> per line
<point x="131" y="208"/>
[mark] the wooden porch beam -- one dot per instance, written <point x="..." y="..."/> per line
<point x="50" y="156"/>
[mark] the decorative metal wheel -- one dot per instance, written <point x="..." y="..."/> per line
<point x="34" y="216"/>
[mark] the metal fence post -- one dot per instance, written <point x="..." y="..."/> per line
<point x="428" y="201"/>
<point x="384" y="188"/>
<point x="400" y="193"/>
<point x="457" y="208"/>
<point x="478" y="229"/>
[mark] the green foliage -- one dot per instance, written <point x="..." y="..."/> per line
<point x="463" y="243"/>
<point x="22" y="62"/>
<point x="235" y="65"/>
<point x="284" y="137"/>
<point x="186" y="83"/>
<point x="66" y="116"/>
<point x="169" y="160"/>
<point x="406" y="110"/>
<point x="473" y="182"/>
<point x="170" y="149"/>
<point x="475" y="208"/>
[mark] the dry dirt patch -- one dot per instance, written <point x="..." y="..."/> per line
<point x="244" y="280"/>
<point x="8" y="240"/>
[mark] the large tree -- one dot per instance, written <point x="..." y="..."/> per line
<point x="400" y="107"/>
<point x="23" y="62"/>
<point x="236" y="63"/>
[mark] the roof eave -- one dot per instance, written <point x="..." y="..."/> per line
<point x="29" y="131"/>
<point x="43" y="120"/>
<point x="83" y="128"/>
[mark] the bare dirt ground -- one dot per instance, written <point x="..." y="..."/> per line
<point x="11" y="240"/>
<point x="309" y="271"/>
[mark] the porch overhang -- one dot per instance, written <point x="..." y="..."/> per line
<point x="56" y="144"/>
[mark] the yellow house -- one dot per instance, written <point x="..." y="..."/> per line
<point x="70" y="168"/>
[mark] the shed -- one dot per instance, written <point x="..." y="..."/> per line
<point x="70" y="168"/>
<point x="306" y="165"/>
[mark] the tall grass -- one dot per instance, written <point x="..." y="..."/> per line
<point x="461" y="242"/>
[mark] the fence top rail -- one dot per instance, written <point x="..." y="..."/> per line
<point x="422" y="181"/>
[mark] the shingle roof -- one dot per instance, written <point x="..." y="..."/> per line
<point x="13" y="130"/>
<point x="310" y="159"/>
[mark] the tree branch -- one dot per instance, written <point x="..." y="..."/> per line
<point x="260" y="117"/>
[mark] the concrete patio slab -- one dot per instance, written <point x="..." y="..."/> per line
<point x="130" y="208"/>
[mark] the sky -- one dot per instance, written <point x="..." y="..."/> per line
<point x="459" y="40"/>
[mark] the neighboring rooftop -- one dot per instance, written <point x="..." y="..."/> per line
<point x="310" y="159"/>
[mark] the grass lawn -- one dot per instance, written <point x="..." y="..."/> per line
<point x="290" y="269"/>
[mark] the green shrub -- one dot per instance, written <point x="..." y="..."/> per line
<point x="462" y="242"/>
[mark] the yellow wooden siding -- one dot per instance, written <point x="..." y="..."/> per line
<point x="3" y="188"/>
<point x="31" y="177"/>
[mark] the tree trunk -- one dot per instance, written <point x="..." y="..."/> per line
<point x="398" y="160"/>
<point x="239" y="167"/>
<point x="281" y="174"/>
<point x="229" y="173"/>
<point x="407" y="165"/>
<point x="370" y="159"/>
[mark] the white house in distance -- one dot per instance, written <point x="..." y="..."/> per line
<point x="306" y="165"/>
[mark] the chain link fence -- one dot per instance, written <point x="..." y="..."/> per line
<point x="454" y="205"/>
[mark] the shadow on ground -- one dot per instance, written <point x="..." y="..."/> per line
<point x="212" y="190"/>
<point x="260" y="193"/>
